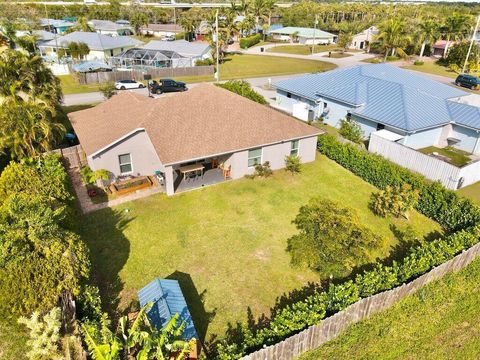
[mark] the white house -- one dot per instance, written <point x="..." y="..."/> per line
<point x="102" y="47"/>
<point x="107" y="27"/>
<point x="307" y="36"/>
<point x="161" y="30"/>
<point x="422" y="111"/>
<point x="362" y="41"/>
<point x="56" y="26"/>
<point x="195" y="50"/>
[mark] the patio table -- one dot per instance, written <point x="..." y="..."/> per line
<point x="191" y="168"/>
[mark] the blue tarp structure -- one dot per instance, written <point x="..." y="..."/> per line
<point x="89" y="66"/>
<point x="168" y="299"/>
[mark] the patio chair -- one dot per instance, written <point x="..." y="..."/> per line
<point x="160" y="178"/>
<point x="227" y="172"/>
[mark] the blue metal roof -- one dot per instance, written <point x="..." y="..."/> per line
<point x="388" y="95"/>
<point x="168" y="300"/>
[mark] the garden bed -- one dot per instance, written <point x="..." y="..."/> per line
<point x="449" y="154"/>
<point x="131" y="185"/>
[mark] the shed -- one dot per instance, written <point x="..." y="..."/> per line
<point x="168" y="299"/>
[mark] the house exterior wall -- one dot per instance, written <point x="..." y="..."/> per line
<point x="92" y="55"/>
<point x="275" y="154"/>
<point x="469" y="139"/>
<point x="421" y="139"/>
<point x="368" y="126"/>
<point x="311" y="41"/>
<point x="144" y="158"/>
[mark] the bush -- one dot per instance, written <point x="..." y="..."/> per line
<point x="261" y="170"/>
<point x="243" y="88"/>
<point x="331" y="238"/>
<point x="204" y="62"/>
<point x="440" y="204"/>
<point x="89" y="177"/>
<point x="396" y="201"/>
<point x="392" y="58"/>
<point x="418" y="62"/>
<point x="458" y="52"/>
<point x="301" y="314"/>
<point x="351" y="130"/>
<point x="108" y="89"/>
<point x="293" y="164"/>
<point x="249" y="41"/>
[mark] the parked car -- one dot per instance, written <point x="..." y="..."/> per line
<point x="170" y="37"/>
<point x="128" y="84"/>
<point x="468" y="81"/>
<point x="166" y="85"/>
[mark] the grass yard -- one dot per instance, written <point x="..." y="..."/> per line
<point x="472" y="192"/>
<point x="431" y="67"/>
<point x="226" y="243"/>
<point x="13" y="338"/>
<point x="337" y="55"/>
<point x="302" y="49"/>
<point x="455" y="157"/>
<point x="440" y="321"/>
<point x="238" y="66"/>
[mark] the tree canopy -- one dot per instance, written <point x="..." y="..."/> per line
<point x="331" y="238"/>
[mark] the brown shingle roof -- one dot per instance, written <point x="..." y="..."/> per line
<point x="201" y="122"/>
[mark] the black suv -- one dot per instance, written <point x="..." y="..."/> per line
<point x="166" y="85"/>
<point x="468" y="81"/>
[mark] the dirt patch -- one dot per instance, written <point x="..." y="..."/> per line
<point x="261" y="255"/>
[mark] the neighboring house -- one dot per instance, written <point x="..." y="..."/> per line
<point x="362" y="41"/>
<point x="438" y="49"/>
<point x="380" y="96"/>
<point x="194" y="51"/>
<point x="41" y="35"/>
<point x="102" y="47"/>
<point x="135" y="135"/>
<point x="56" y="26"/>
<point x="307" y="36"/>
<point x="142" y="59"/>
<point x="107" y="27"/>
<point x="161" y="30"/>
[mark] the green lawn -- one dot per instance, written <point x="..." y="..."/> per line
<point x="302" y="49"/>
<point x="71" y="86"/>
<point x="226" y="243"/>
<point x="472" y="192"/>
<point x="13" y="338"/>
<point x="431" y="67"/>
<point x="337" y="55"/>
<point x="455" y="157"/>
<point x="239" y="66"/>
<point x="440" y="321"/>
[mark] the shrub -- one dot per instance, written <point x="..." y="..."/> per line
<point x="261" y="170"/>
<point x="89" y="177"/>
<point x="44" y="334"/>
<point x="458" y="52"/>
<point x="418" y="62"/>
<point x="249" y="41"/>
<point x="204" y="62"/>
<point x="243" y="88"/>
<point x="396" y="201"/>
<point x="351" y="130"/>
<point x="293" y="164"/>
<point x="331" y="238"/>
<point x="108" y="89"/>
<point x="392" y="58"/>
<point x="440" y="204"/>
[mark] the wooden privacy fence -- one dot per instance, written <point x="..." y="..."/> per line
<point x="73" y="156"/>
<point x="107" y="76"/>
<point x="333" y="326"/>
<point x="450" y="176"/>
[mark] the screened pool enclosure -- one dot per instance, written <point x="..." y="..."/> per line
<point x="140" y="59"/>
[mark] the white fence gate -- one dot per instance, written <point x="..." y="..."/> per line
<point x="450" y="176"/>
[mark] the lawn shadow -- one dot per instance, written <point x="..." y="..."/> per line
<point x="102" y="231"/>
<point x="195" y="302"/>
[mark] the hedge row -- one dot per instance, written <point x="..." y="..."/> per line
<point x="300" y="315"/>
<point x="243" y="88"/>
<point x="249" y="41"/>
<point x="442" y="205"/>
<point x="446" y="207"/>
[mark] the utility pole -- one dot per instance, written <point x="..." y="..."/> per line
<point x="54" y="31"/>
<point x="217" y="73"/>
<point x="471" y="44"/>
<point x="314" y="30"/>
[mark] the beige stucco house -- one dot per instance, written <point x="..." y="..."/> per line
<point x="135" y="135"/>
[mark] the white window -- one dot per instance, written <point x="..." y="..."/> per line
<point x="125" y="162"/>
<point x="294" y="148"/>
<point x="254" y="157"/>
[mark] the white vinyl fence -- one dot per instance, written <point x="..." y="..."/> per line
<point x="450" y="176"/>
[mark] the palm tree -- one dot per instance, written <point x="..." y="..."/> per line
<point x="246" y="25"/>
<point x="429" y="33"/>
<point x="188" y="26"/>
<point x="455" y="28"/>
<point x="27" y="127"/>
<point x="259" y="10"/>
<point x="392" y="36"/>
<point x="9" y="32"/>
